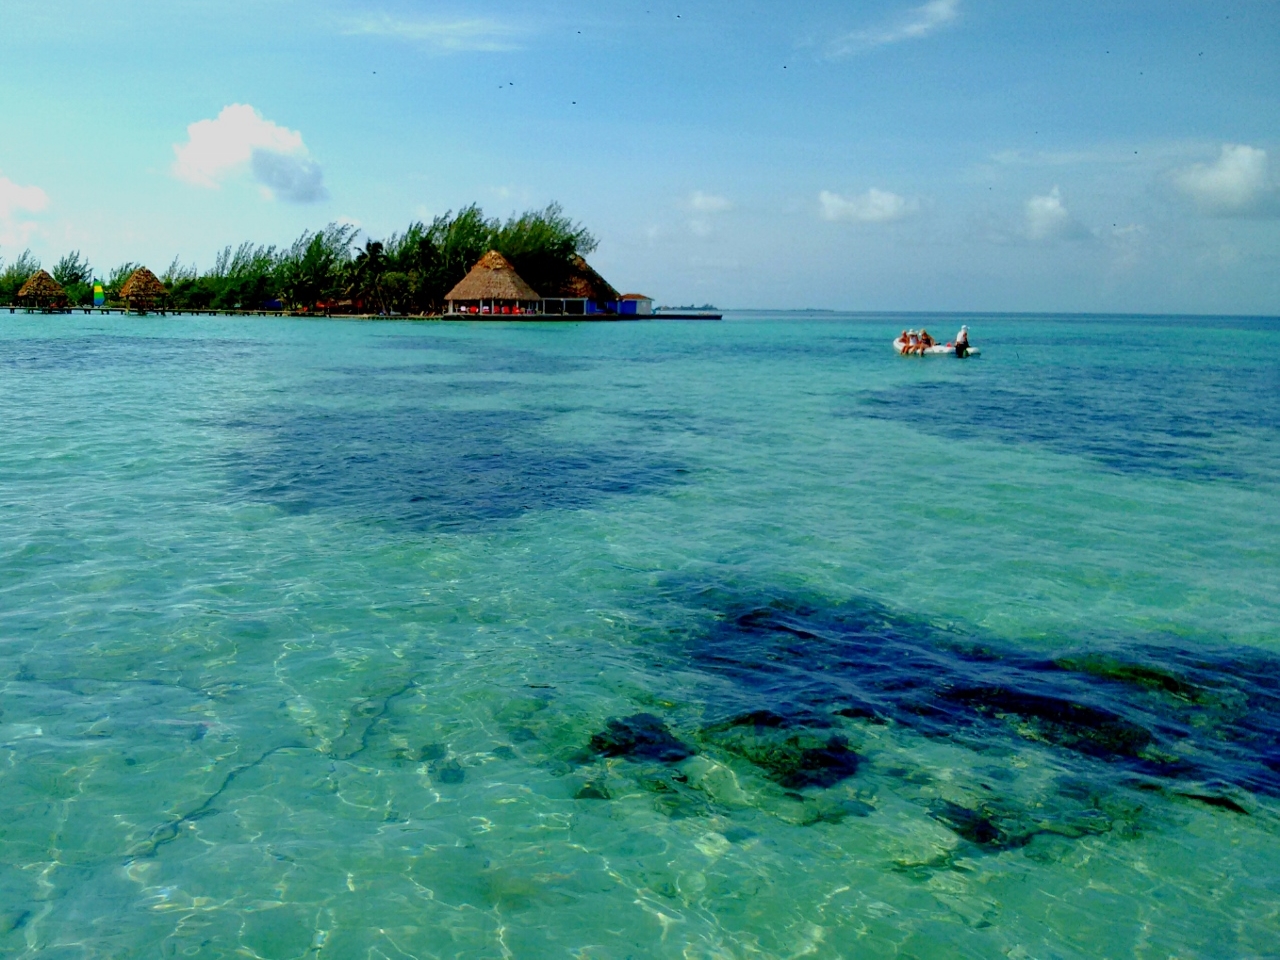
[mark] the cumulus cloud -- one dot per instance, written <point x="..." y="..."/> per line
<point x="241" y="140"/>
<point x="1237" y="184"/>
<point x="1047" y="218"/>
<point x="296" y="179"/>
<point x="16" y="204"/>
<point x="874" y="206"/>
<point x="451" y="36"/>
<point x="916" y="24"/>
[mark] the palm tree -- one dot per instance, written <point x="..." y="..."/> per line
<point x="366" y="274"/>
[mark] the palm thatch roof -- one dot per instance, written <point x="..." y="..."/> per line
<point x="580" y="281"/>
<point x="492" y="278"/>
<point x="142" y="289"/>
<point x="42" y="290"/>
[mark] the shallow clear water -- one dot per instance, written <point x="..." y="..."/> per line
<point x="746" y="639"/>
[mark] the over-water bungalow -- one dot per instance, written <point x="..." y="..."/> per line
<point x="42" y="292"/>
<point x="581" y="292"/>
<point x="492" y="288"/>
<point x="143" y="292"/>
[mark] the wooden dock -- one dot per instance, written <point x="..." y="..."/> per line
<point x="299" y="314"/>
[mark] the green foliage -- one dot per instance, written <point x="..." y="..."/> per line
<point x="311" y="272"/>
<point x="463" y="240"/>
<point x="541" y="245"/>
<point x="73" y="269"/>
<point x="413" y="270"/>
<point x="187" y="289"/>
<point x="15" y="275"/>
<point x="243" y="278"/>
<point x="177" y="273"/>
<point x="398" y="291"/>
<point x="187" y="292"/>
<point x="76" y="276"/>
<point x="79" y="294"/>
<point x="366" y="273"/>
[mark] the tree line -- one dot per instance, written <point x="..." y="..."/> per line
<point x="407" y="273"/>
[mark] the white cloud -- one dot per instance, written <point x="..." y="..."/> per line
<point x="478" y="35"/>
<point x="15" y="198"/>
<point x="1048" y="219"/>
<point x="917" y="23"/>
<point x="1236" y="185"/>
<point x="241" y="140"/>
<point x="15" y="202"/>
<point x="874" y="206"/>
<point x="709" y="203"/>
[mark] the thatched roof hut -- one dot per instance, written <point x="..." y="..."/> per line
<point x="142" y="291"/>
<point x="492" y="280"/>
<point x="42" y="292"/>
<point x="581" y="282"/>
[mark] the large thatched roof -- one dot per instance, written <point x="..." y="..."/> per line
<point x="493" y="278"/>
<point x="42" y="289"/>
<point x="581" y="281"/>
<point x="142" y="286"/>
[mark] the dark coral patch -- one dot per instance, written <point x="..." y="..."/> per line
<point x="786" y="748"/>
<point x="430" y="467"/>
<point x="1216" y="800"/>
<point x="447" y="771"/>
<point x="997" y="825"/>
<point x="1136" y="674"/>
<point x="641" y="736"/>
<point x="1077" y="726"/>
<point x="771" y="720"/>
<point x="802" y="763"/>
<point x="977" y="826"/>
<point x="1176" y="713"/>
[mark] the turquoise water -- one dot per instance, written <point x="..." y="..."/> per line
<point x="735" y="640"/>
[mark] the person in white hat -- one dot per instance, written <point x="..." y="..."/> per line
<point x="962" y="342"/>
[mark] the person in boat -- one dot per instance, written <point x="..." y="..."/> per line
<point x="962" y="342"/>
<point x="926" y="341"/>
<point x="913" y="342"/>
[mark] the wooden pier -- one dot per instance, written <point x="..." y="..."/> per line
<point x="300" y="314"/>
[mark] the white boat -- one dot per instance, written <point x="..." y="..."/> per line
<point x="937" y="350"/>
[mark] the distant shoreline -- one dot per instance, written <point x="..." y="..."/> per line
<point x="313" y="315"/>
<point x="719" y="314"/>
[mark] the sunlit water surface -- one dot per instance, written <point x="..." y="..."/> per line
<point x="724" y="640"/>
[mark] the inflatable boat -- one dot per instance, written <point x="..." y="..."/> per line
<point x="937" y="350"/>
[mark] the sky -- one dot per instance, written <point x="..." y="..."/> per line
<point x="970" y="155"/>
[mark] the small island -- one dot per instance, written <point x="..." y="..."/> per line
<point x="459" y="266"/>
